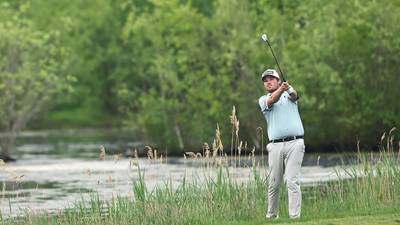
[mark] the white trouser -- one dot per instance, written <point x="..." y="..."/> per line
<point x="285" y="159"/>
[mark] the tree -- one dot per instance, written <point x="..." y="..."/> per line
<point x="32" y="71"/>
<point x="167" y="58"/>
<point x="343" y="56"/>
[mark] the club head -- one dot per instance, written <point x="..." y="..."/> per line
<point x="264" y="37"/>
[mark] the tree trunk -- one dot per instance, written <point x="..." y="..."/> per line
<point x="7" y="142"/>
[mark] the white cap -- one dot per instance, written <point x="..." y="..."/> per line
<point x="270" y="72"/>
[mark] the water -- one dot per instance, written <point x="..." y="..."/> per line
<point x="56" y="169"/>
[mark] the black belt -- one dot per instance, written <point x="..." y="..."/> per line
<point x="291" y="138"/>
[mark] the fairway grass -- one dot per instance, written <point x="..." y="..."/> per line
<point x="378" y="219"/>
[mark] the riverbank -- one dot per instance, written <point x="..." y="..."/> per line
<point x="53" y="183"/>
<point x="374" y="189"/>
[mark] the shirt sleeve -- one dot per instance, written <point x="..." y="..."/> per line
<point x="263" y="103"/>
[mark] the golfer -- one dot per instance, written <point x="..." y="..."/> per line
<point x="286" y="144"/>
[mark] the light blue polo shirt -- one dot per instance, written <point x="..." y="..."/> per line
<point x="283" y="118"/>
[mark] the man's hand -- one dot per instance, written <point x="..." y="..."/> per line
<point x="285" y="86"/>
<point x="289" y="89"/>
<point x="274" y="97"/>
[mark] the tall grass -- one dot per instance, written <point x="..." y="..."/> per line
<point x="217" y="199"/>
<point x="370" y="185"/>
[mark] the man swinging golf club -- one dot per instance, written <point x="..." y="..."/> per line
<point x="286" y="146"/>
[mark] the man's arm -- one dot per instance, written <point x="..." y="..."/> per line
<point x="292" y="94"/>
<point x="274" y="97"/>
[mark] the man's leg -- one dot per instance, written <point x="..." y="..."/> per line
<point x="275" y="161"/>
<point x="295" y="153"/>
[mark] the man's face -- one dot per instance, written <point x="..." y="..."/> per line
<point x="271" y="83"/>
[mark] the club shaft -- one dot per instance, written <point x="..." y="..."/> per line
<point x="273" y="54"/>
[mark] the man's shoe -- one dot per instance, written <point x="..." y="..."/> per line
<point x="272" y="217"/>
<point x="294" y="217"/>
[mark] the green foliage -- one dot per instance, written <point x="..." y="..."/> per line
<point x="343" y="60"/>
<point x="92" y="30"/>
<point x="32" y="71"/>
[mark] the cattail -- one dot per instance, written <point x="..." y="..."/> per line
<point x="233" y="122"/>
<point x="214" y="148"/>
<point x="233" y="115"/>
<point x="135" y="160"/>
<point x="149" y="152"/>
<point x="240" y="150"/>
<point x="218" y="143"/>
<point x="391" y="130"/>
<point x="133" y="163"/>
<point x="237" y="128"/>
<point x="391" y="143"/>
<point x="383" y="137"/>
<point x="236" y="125"/>
<point x="358" y="151"/>
<point x="117" y="157"/>
<point x="191" y="154"/>
<point x="206" y="150"/>
<point x="207" y="153"/>
<point x="102" y="153"/>
<point x="217" y="132"/>
<point x="390" y="146"/>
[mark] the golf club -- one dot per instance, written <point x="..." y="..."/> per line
<point x="265" y="38"/>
